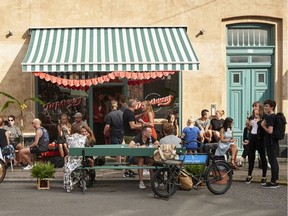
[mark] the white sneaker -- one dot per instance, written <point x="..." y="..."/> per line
<point x="28" y="167"/>
<point x="146" y="172"/>
<point x="141" y="185"/>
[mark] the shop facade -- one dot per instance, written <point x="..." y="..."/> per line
<point x="241" y="48"/>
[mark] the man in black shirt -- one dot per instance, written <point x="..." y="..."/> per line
<point x="271" y="144"/>
<point x="130" y="127"/>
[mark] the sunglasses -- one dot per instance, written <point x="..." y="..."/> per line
<point x="10" y="119"/>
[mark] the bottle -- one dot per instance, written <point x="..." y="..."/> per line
<point x="150" y="143"/>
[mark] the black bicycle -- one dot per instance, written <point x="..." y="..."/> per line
<point x="217" y="175"/>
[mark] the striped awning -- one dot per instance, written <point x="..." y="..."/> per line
<point x="109" y="49"/>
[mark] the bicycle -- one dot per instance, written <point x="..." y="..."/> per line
<point x="217" y="175"/>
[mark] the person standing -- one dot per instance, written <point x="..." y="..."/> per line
<point x="114" y="123"/>
<point x="130" y="129"/>
<point x="39" y="145"/>
<point x="15" y="137"/>
<point x="99" y="113"/>
<point x="147" y="117"/>
<point x="271" y="144"/>
<point x="173" y="121"/>
<point x="256" y="142"/>
<point x="245" y="143"/>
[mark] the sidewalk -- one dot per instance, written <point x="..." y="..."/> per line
<point x="19" y="174"/>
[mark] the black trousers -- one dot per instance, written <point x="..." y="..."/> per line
<point x="256" y="144"/>
<point x="272" y="153"/>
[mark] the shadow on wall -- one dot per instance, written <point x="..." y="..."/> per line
<point x="19" y="91"/>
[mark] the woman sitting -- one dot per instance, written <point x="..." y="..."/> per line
<point x="227" y="141"/>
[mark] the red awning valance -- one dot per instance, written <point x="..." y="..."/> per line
<point x="134" y="78"/>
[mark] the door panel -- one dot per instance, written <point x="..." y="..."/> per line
<point x="244" y="87"/>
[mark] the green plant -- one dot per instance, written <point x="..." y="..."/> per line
<point x="21" y="105"/>
<point x="195" y="169"/>
<point x="43" y="170"/>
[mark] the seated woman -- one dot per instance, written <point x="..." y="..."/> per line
<point x="227" y="141"/>
<point x="91" y="141"/>
<point x="64" y="129"/>
<point x="190" y="134"/>
<point x="169" y="137"/>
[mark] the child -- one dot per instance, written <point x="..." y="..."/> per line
<point x="245" y="144"/>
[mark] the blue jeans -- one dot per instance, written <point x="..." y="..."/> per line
<point x="116" y="140"/>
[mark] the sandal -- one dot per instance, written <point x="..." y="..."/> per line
<point x="233" y="165"/>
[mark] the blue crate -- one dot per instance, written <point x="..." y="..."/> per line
<point x="194" y="158"/>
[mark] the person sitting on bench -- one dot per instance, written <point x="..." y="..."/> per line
<point x="39" y="145"/>
<point x="143" y="140"/>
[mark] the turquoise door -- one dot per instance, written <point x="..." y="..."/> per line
<point x="244" y="87"/>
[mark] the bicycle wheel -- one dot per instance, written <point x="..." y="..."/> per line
<point x="2" y="170"/>
<point x="163" y="183"/>
<point x="218" y="178"/>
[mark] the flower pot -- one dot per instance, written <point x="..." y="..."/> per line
<point x="43" y="184"/>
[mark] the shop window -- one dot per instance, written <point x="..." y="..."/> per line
<point x="60" y="100"/>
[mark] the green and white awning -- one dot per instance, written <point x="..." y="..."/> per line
<point x="109" y="49"/>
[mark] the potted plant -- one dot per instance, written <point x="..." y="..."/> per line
<point x="195" y="169"/>
<point x="44" y="172"/>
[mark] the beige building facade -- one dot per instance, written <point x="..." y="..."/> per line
<point x="210" y="26"/>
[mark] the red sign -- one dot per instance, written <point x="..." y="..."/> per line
<point x="163" y="101"/>
<point x="58" y="104"/>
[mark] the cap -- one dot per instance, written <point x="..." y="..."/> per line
<point x="78" y="114"/>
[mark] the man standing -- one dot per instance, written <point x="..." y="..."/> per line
<point x="271" y="144"/>
<point x="130" y="128"/>
<point x="39" y="145"/>
<point x="114" y="123"/>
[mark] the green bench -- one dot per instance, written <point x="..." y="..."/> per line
<point x="115" y="150"/>
<point x="111" y="150"/>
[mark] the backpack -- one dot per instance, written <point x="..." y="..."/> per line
<point x="279" y="126"/>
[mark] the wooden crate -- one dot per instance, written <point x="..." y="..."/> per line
<point x="43" y="184"/>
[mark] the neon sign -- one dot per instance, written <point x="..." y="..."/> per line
<point x="58" y="104"/>
<point x="161" y="101"/>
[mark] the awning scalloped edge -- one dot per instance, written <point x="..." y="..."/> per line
<point x="85" y="83"/>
